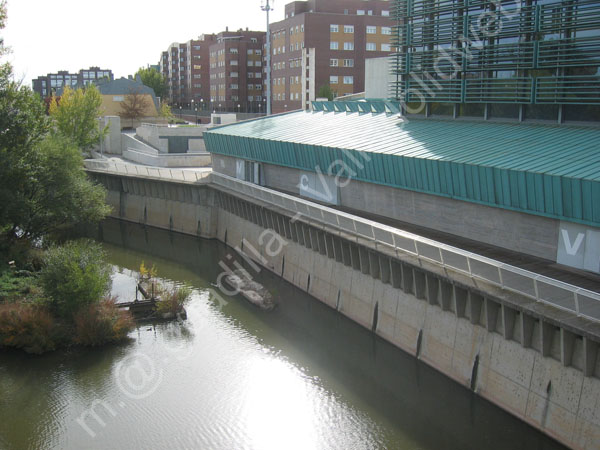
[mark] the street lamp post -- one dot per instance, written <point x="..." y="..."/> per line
<point x="267" y="8"/>
<point x="196" y="109"/>
<point x="239" y="108"/>
<point x="180" y="112"/>
<point x="219" y="107"/>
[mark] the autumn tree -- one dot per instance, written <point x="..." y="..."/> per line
<point x="76" y="114"/>
<point x="134" y="106"/>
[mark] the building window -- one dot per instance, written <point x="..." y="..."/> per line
<point x="348" y="45"/>
<point x="302" y="28"/>
<point x="233" y="86"/>
<point x="333" y="79"/>
<point x="348" y="79"/>
<point x="386" y="30"/>
<point x="250" y="63"/>
<point x="233" y="50"/>
<point x="371" y="46"/>
<point x="258" y="52"/>
<point x="385" y="13"/>
<point x="334" y="28"/>
<point x="348" y="28"/>
<point x="258" y="87"/>
<point x="333" y="62"/>
<point x="348" y="63"/>
<point x="360" y="12"/>
<point x="386" y="48"/>
<point x="371" y="29"/>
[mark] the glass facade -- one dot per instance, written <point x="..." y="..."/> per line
<point x="530" y="52"/>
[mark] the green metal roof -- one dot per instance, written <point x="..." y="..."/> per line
<point x="549" y="170"/>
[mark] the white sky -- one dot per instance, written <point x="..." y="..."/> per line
<point x="46" y="36"/>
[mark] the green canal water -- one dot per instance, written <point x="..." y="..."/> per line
<point x="234" y="377"/>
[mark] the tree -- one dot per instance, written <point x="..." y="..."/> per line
<point x="75" y="275"/>
<point x="325" y="92"/>
<point x="76" y="115"/>
<point x="54" y="193"/>
<point x="165" y="111"/>
<point x="153" y="79"/>
<point x="134" y="106"/>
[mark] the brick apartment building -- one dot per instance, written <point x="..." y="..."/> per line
<point x="236" y="71"/>
<point x="185" y="67"/>
<point x="47" y="84"/>
<point x="325" y="42"/>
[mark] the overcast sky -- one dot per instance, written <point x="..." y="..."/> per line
<point x="122" y="35"/>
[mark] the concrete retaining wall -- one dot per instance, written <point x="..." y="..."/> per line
<point x="543" y="374"/>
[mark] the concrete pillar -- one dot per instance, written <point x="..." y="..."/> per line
<point x="337" y="249"/>
<point x="491" y="314"/>
<point x="446" y="296"/>
<point x="363" y="255"/>
<point x="346" y="253"/>
<point x="300" y="233"/>
<point x="508" y="322"/>
<point x="396" y="273"/>
<point x="374" y="265"/>
<point x="329" y="246"/>
<point x="407" y="279"/>
<point x="567" y="343"/>
<point x="354" y="253"/>
<point x="546" y="336"/>
<point x="590" y="356"/>
<point x="306" y="234"/>
<point x="314" y="238"/>
<point x="433" y="289"/>
<point x="322" y="243"/>
<point x="527" y="324"/>
<point x="384" y="266"/>
<point x="293" y="232"/>
<point x="459" y="296"/>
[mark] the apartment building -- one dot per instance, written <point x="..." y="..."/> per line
<point x="185" y="66"/>
<point x="45" y="85"/>
<point x="236" y="71"/>
<point x="326" y="42"/>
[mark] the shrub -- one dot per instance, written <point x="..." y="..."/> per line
<point x="29" y="327"/>
<point x="172" y="300"/>
<point x="102" y="323"/>
<point x="75" y="275"/>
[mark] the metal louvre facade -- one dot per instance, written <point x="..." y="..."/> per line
<point x="475" y="51"/>
<point x="546" y="170"/>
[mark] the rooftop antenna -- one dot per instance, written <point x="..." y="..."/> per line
<point x="266" y="6"/>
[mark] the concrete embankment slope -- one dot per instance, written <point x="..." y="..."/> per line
<point x="536" y="361"/>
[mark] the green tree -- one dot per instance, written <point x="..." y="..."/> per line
<point x="76" y="115"/>
<point x="54" y="193"/>
<point x="165" y="111"/>
<point x="325" y="92"/>
<point x="75" y="275"/>
<point x="153" y="79"/>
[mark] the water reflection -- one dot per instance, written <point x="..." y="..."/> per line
<point x="234" y="377"/>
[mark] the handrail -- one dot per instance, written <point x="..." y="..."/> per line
<point x="543" y="289"/>
<point x="565" y="296"/>
<point x="147" y="171"/>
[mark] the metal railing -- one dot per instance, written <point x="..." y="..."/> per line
<point x="150" y="172"/>
<point x="538" y="287"/>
